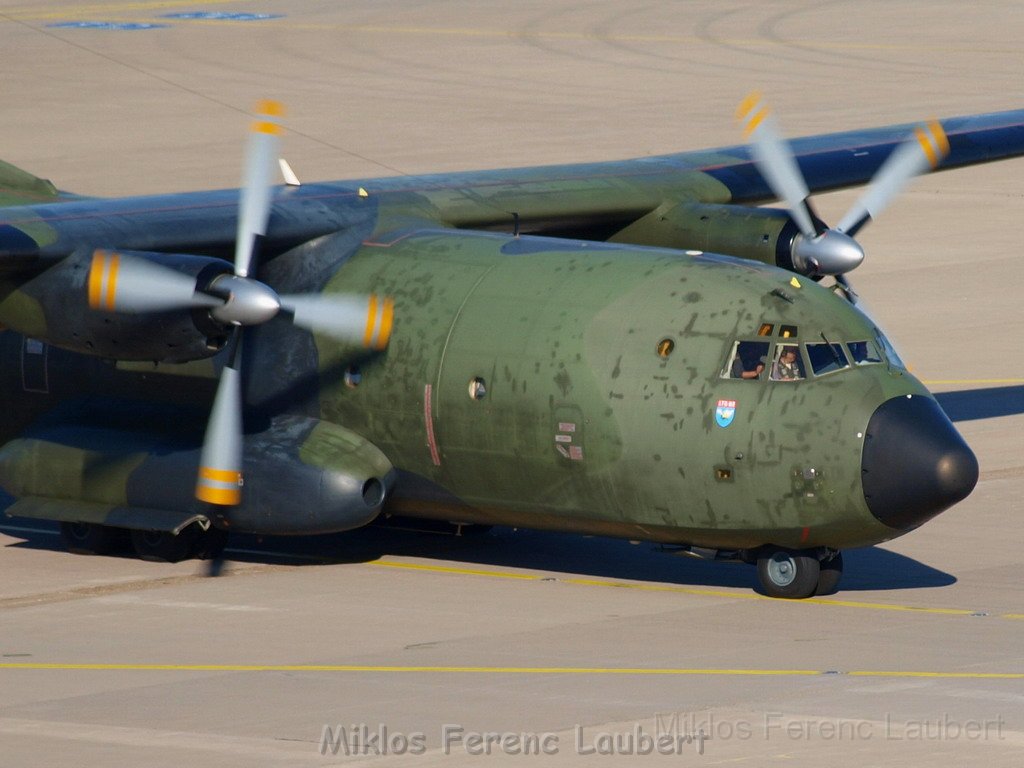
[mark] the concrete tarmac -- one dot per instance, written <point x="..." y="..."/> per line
<point x="553" y="644"/>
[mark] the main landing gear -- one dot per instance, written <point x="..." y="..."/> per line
<point x="92" y="539"/>
<point x="799" y="573"/>
<point x="161" y="546"/>
<point x="191" y="542"/>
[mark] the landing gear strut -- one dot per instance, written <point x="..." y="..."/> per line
<point x="797" y="574"/>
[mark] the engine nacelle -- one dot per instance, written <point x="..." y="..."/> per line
<point x="302" y="476"/>
<point x="768" y="235"/>
<point x="54" y="307"/>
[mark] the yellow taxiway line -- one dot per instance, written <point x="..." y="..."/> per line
<point x="864" y="605"/>
<point x="611" y="583"/>
<point x="489" y="670"/>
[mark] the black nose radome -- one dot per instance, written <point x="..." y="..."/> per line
<point x="915" y="464"/>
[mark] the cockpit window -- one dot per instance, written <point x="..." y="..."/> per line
<point x="747" y="360"/>
<point x="888" y="349"/>
<point x="826" y="358"/>
<point x="864" y="352"/>
<point x="787" y="366"/>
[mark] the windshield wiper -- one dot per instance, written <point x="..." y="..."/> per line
<point x="832" y="351"/>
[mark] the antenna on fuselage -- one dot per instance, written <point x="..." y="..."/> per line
<point x="289" y="175"/>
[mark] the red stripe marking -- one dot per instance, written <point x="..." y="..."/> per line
<point x="428" y="418"/>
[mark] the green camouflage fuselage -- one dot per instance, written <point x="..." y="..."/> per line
<point x="560" y="358"/>
<point x="584" y="426"/>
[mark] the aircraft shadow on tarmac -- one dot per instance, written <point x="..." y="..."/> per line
<point x="577" y="556"/>
<point x="562" y="555"/>
<point x="985" y="403"/>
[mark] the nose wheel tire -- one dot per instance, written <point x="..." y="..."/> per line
<point x="830" y="574"/>
<point x="789" y="574"/>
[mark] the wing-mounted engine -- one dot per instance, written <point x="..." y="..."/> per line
<point x="795" y="239"/>
<point x="303" y="475"/>
<point x="819" y="249"/>
<point x="768" y="235"/>
<point x="147" y="306"/>
<point x="59" y="307"/>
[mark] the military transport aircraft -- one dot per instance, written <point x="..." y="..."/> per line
<point x="629" y="348"/>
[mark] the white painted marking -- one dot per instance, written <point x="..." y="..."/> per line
<point x="188" y="604"/>
<point x="895" y="686"/>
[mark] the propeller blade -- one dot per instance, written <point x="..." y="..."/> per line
<point x="260" y="167"/>
<point x="215" y="566"/>
<point x="220" y="464"/>
<point x="118" y="282"/>
<point x="366" y="320"/>
<point x="775" y="161"/>
<point x="921" y="152"/>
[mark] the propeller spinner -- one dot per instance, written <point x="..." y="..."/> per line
<point x="818" y="249"/>
<point x="122" y="282"/>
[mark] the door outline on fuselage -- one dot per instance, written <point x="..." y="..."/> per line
<point x="35" y="366"/>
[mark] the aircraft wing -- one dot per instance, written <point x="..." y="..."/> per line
<point x="851" y="158"/>
<point x="18" y="187"/>
<point x="622" y="201"/>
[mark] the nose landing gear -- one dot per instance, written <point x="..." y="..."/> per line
<point x="797" y="574"/>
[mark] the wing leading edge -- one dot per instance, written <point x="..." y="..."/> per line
<point x="849" y="159"/>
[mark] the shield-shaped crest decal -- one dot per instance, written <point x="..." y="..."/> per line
<point x="725" y="412"/>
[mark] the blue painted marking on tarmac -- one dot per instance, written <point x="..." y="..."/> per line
<point x="118" y="25"/>
<point x="222" y="16"/>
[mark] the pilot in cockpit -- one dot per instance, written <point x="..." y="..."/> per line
<point x="787" y="366"/>
<point x="749" y="360"/>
